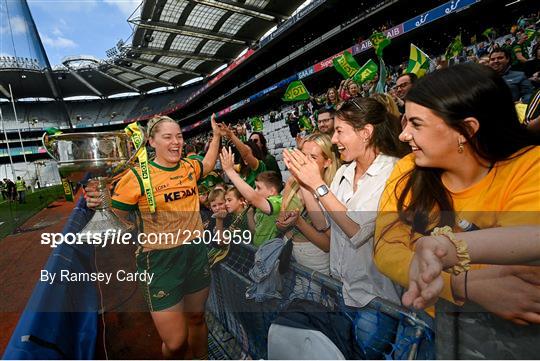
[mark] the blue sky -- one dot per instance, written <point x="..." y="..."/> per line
<point x="68" y="27"/>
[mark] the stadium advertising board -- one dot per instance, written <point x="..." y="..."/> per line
<point x="271" y="88"/>
<point x="437" y="13"/>
<point x="306" y="72"/>
<point x="285" y="82"/>
<point x="202" y="89"/>
<point x="223" y="111"/>
<point x="366" y="44"/>
<point x="328" y="62"/>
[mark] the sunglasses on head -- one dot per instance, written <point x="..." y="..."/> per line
<point x="351" y="101"/>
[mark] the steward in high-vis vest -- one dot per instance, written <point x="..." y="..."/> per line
<point x="20" y="187"/>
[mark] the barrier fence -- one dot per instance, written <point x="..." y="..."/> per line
<point x="249" y="321"/>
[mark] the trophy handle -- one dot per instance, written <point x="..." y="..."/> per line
<point x="47" y="146"/>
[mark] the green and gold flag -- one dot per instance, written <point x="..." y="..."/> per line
<point x="379" y="42"/>
<point x="346" y="65"/>
<point x="454" y="48"/>
<point x="367" y="72"/>
<point x="531" y="33"/>
<point x="489" y="33"/>
<point x="296" y="91"/>
<point x="257" y="124"/>
<point x="305" y="124"/>
<point x="418" y="62"/>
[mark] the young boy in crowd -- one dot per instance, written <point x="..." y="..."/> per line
<point x="216" y="250"/>
<point x="216" y="199"/>
<point x="266" y="198"/>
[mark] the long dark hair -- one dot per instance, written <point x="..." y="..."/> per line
<point x="244" y="168"/>
<point x="456" y="93"/>
<point x="264" y="148"/>
<point x="359" y="112"/>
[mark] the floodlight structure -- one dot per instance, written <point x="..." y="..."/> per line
<point x="36" y="62"/>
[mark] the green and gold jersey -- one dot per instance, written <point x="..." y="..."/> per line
<point x="176" y="197"/>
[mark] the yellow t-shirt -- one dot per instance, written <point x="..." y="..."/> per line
<point x="509" y="195"/>
<point x="177" y="202"/>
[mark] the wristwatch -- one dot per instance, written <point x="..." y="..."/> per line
<point x="321" y="191"/>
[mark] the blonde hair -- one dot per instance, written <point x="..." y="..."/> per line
<point x="153" y="124"/>
<point x="388" y="102"/>
<point x="325" y="143"/>
<point x="216" y="194"/>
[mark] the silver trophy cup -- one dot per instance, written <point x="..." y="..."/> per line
<point x="106" y="156"/>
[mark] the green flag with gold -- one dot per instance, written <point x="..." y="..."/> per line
<point x="379" y="42"/>
<point x="257" y="124"/>
<point x="305" y="124"/>
<point x="454" y="48"/>
<point x="489" y="33"/>
<point x="346" y="65"/>
<point x="367" y="72"/>
<point x="296" y="91"/>
<point x="418" y="62"/>
<point x="531" y="34"/>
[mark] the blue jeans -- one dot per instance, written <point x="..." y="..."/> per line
<point x="407" y="337"/>
<point x="374" y="331"/>
<point x="22" y="196"/>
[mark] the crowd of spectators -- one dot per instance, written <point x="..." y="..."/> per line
<point x="382" y="183"/>
<point x="425" y="191"/>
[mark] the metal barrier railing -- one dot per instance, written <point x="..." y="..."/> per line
<point x="248" y="321"/>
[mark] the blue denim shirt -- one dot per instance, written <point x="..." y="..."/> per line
<point x="519" y="85"/>
<point x="265" y="272"/>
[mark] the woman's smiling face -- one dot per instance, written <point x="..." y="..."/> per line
<point x="432" y="141"/>
<point x="349" y="141"/>
<point x="168" y="143"/>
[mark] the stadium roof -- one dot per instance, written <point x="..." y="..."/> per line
<point x="174" y="41"/>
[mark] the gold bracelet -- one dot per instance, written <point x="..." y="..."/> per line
<point x="462" y="251"/>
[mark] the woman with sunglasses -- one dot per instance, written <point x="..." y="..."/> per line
<point x="269" y="160"/>
<point x="366" y="136"/>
